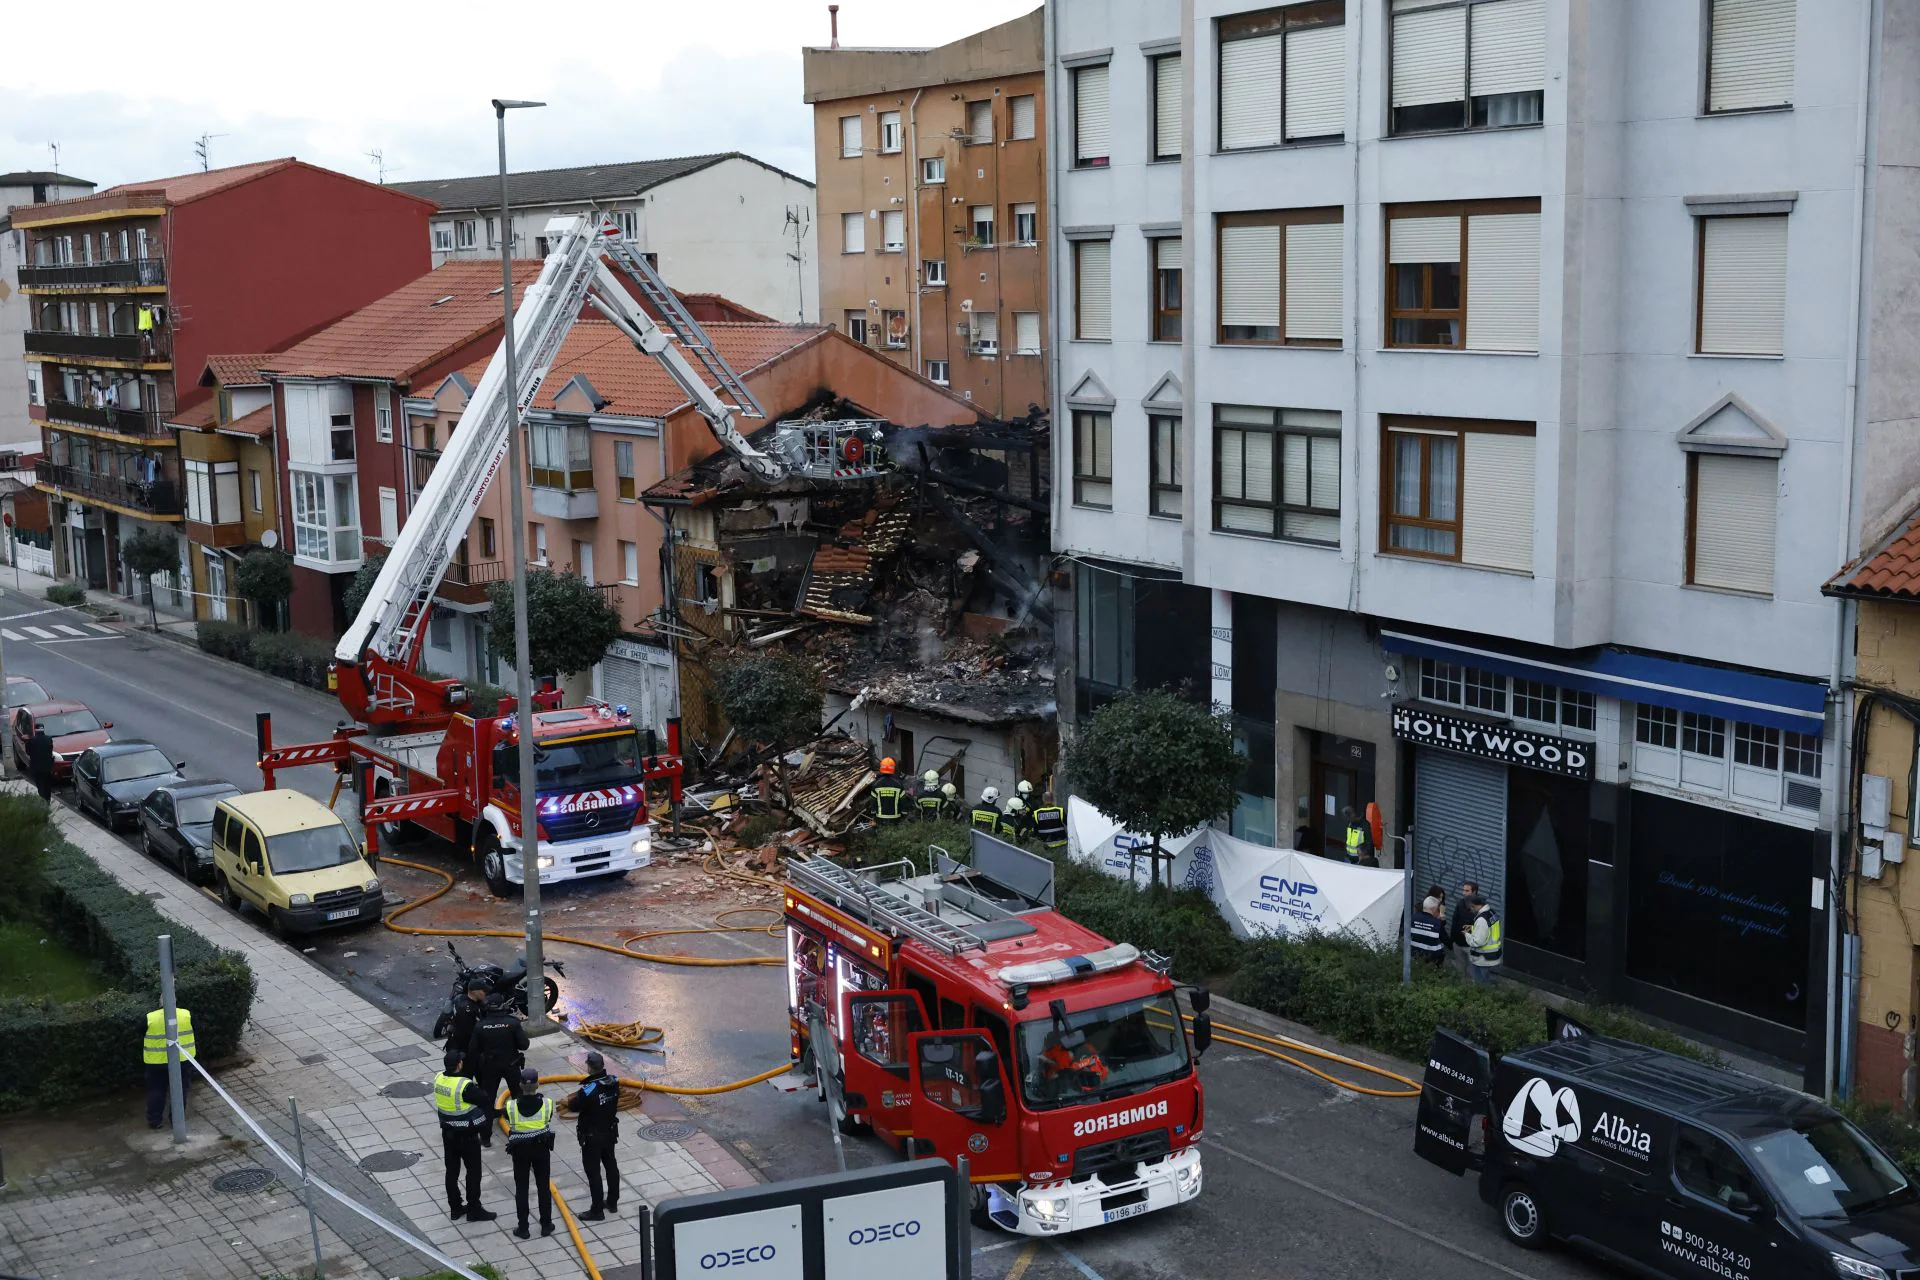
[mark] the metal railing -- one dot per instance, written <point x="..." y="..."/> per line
<point x="130" y="271"/>
<point x="109" y="346"/>
<point x="132" y="422"/>
<point x="156" y="497"/>
<point x="476" y="573"/>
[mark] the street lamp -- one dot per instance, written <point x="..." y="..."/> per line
<point x="523" y="664"/>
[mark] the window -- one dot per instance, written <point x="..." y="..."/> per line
<point x="1093" y="459"/>
<point x="1280" y="277"/>
<point x="389" y="500"/>
<point x="1093" y="290"/>
<point x="443" y="237"/>
<point x="856" y="325"/>
<point x="213" y="491"/>
<point x="1709" y="1168"/>
<point x="1026" y="333"/>
<point x="628" y="220"/>
<point x="1770" y="768"/>
<point x="583" y="561"/>
<point x="1091" y="130"/>
<point x="489" y="545"/>
<point x="1020" y="117"/>
<point x="893" y="231"/>
<point x="1656" y="726"/>
<point x="986" y="334"/>
<point x="890" y="132"/>
<point x="937" y="372"/>
<point x="1168" y="81"/>
<point x="1459" y="491"/>
<point x="1167" y="301"/>
<point x="1730" y="512"/>
<point x="493" y="233"/>
<point x="1282" y="76"/>
<point x="440" y="628"/>
<point x="1495" y="247"/>
<point x="383" y="423"/>
<point x="538" y="542"/>
<point x="933" y="273"/>
<point x="1026" y="224"/>
<point x="1703" y="735"/>
<point x="979" y="122"/>
<point x="465" y="233"/>
<point x="253" y="489"/>
<point x="1163" y="437"/>
<point x="1478" y="64"/>
<point x="1543" y="703"/>
<point x="326" y="519"/>
<point x="933" y="170"/>
<point x="630" y="563"/>
<point x="562" y="455"/>
<point x="894" y="327"/>
<point x="1443" y="682"/>
<point x="340" y="436"/>
<point x="1277" y="473"/>
<point x="853" y="233"/>
<point x="980" y="225"/>
<point x="1756" y="745"/>
<point x="849" y="137"/>
<point x="623" y="470"/>
<point x="1743" y="285"/>
<point x="1750" y="55"/>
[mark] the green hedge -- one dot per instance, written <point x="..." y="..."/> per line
<point x="52" y="1053"/>
<point x="1890" y="1127"/>
<point x="300" y="658"/>
<point x="68" y="593"/>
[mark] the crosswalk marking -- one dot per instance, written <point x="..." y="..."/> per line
<point x="72" y="631"/>
<point x="14" y="636"/>
<point x="42" y="632"/>
<point x="103" y="630"/>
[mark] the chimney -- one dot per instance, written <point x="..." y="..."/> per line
<point x="833" y="18"/>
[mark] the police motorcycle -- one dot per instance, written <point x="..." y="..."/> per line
<point x="510" y="982"/>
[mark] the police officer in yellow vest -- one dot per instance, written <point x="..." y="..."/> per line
<point x="1359" y="839"/>
<point x="154" y="1055"/>
<point x="985" y="816"/>
<point x="1050" y="825"/>
<point x="889" y="797"/>
<point x="463" y="1114"/>
<point x="929" y="802"/>
<point x="530" y="1142"/>
<point x="1483" y="941"/>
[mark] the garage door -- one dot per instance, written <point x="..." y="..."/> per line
<point x="1460" y="825"/>
<point x="640" y="686"/>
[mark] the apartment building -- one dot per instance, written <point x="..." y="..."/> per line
<point x="133" y="288"/>
<point x="724" y="223"/>
<point x="932" y="179"/>
<point x="26" y="187"/>
<point x="1470" y="397"/>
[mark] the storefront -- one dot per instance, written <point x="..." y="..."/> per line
<point x="639" y="677"/>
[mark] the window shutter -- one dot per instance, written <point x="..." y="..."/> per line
<point x="853" y="233"/>
<point x="849" y="135"/>
<point x="1316" y="82"/>
<point x="1090" y="125"/>
<point x="1496" y="524"/>
<point x="1167" y="80"/>
<point x="1095" y="259"/>
<point x="1429" y="57"/>
<point x="1232" y="481"/>
<point x="1026" y="332"/>
<point x="1509" y="47"/>
<point x="1294" y="472"/>
<point x="1166" y="253"/>
<point x="1313" y="280"/>
<point x="1751" y="63"/>
<point x="1250" y="276"/>
<point x="893" y="230"/>
<point x="1503" y="282"/>
<point x="1743" y="286"/>
<point x="1424" y="239"/>
<point x="1733" y="521"/>
<point x="1022" y="116"/>
<point x="1250" y="92"/>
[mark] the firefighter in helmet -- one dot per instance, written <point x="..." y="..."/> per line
<point x="928" y="802"/>
<point x="985" y="816"/>
<point x="889" y="797"/>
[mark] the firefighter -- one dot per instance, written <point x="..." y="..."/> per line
<point x="888" y="796"/>
<point x="1050" y="825"/>
<point x="949" y="801"/>
<point x="928" y="801"/>
<point x="1078" y="1065"/>
<point x="1024" y="790"/>
<point x="1016" y="824"/>
<point x="985" y="815"/>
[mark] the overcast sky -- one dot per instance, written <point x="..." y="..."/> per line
<point x="128" y="91"/>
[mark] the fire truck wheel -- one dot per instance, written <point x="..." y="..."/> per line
<point x="847" y="1124"/>
<point x="393" y="834"/>
<point x="977" y="1206"/>
<point x="492" y="865"/>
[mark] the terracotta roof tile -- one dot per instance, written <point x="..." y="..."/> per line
<point x="198" y="418"/>
<point x="236" y="371"/>
<point x="415" y="326"/>
<point x="191" y="186"/>
<point x="635" y="385"/>
<point x="258" y="424"/>
<point x="1890" y="572"/>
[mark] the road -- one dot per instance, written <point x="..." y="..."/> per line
<point x="1303" y="1179"/>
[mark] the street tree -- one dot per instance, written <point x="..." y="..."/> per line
<point x="1156" y="763"/>
<point x="774" y="699"/>
<point x="264" y="578"/>
<point x="146" y="553"/>
<point x="362" y="585"/>
<point x="569" y="623"/>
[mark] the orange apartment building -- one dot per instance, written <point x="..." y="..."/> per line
<point x="931" y="172"/>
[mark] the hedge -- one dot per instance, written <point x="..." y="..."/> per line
<point x="1892" y="1129"/>
<point x="68" y="593"/>
<point x="54" y="1053"/>
<point x="300" y="658"/>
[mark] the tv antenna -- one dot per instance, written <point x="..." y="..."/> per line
<point x="380" y="166"/>
<point x="55" y="148"/>
<point x="203" y="147"/>
<point x="798" y="220"/>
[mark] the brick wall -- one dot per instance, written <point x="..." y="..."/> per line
<point x="1880" y="1064"/>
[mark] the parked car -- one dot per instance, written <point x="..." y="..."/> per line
<point x="72" y="726"/>
<point x="23" y="689"/>
<point x="110" y="780"/>
<point x="176" y="824"/>
<point x="291" y="859"/>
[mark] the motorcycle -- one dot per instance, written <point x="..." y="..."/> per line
<point x="511" y="982"/>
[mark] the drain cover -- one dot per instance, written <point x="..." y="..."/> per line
<point x="400" y="1053"/>
<point x="238" y="1180"/>
<point x="407" y="1089"/>
<point x="313" y="1059"/>
<point x="668" y="1131"/>
<point x="387" y="1161"/>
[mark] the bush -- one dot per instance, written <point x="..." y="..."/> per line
<point x="1181" y="923"/>
<point x="23" y="852"/>
<point x="51" y="1054"/>
<point x="227" y="640"/>
<point x="1891" y="1129"/>
<point x="292" y="656"/>
<point x="68" y="593"/>
<point x="483" y="698"/>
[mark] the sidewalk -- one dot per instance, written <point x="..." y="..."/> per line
<point x="362" y="1080"/>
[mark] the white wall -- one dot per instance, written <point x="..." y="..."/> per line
<point x="989" y="758"/>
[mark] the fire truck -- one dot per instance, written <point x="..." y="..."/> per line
<point x="956" y="1013"/>
<point x="416" y="756"/>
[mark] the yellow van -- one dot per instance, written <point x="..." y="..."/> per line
<point x="292" y="859"/>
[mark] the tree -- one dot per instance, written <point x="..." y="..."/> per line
<point x="147" y="553"/>
<point x="569" y="624"/>
<point x="1157" y="763"/>
<point x="771" y="698"/>
<point x="362" y="585"/>
<point x="264" y="577"/>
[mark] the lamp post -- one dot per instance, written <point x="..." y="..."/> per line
<point x="537" y="1022"/>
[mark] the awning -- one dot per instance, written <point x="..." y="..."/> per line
<point x="1798" y="706"/>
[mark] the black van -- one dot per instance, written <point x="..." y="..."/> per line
<point x="1668" y="1166"/>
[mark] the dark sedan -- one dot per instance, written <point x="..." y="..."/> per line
<point x="110" y="781"/>
<point x="176" y="825"/>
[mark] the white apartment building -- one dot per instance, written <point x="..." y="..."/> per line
<point x="1472" y="397"/>
<point x="26" y="187"/>
<point x="726" y="224"/>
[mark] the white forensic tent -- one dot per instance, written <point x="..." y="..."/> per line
<point x="1098" y="841"/>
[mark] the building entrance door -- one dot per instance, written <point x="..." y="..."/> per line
<point x="1334" y="790"/>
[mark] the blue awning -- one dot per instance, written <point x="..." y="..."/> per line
<point x="1798" y="706"/>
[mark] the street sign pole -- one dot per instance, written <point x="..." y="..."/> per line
<point x="176" y="1087"/>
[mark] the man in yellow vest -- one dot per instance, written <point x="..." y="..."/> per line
<point x="888" y="795"/>
<point x="1359" y="840"/>
<point x="462" y="1109"/>
<point x="928" y="801"/>
<point x="1483" y="941"/>
<point x="1050" y="825"/>
<point x="529" y="1120"/>
<point x="154" y="1055"/>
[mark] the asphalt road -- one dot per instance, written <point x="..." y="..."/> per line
<point x="1303" y="1179"/>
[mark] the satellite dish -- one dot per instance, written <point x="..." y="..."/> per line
<point x="270" y="539"/>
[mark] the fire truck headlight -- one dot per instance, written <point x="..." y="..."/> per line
<point x="544" y="861"/>
<point x="1050" y="1208"/>
<point x="1186" y="1179"/>
<point x="643" y="846"/>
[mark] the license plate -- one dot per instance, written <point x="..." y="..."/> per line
<point x="348" y="914"/>
<point x="1125" y="1211"/>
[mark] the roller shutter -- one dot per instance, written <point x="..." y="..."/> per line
<point x="1496" y="524"/>
<point x="1743" y="285"/>
<point x="1733" y="521"/>
<point x="1250" y="92"/>
<point x="1313" y="280"/>
<point x="1509" y="47"/>
<point x="1751" y="60"/>
<point x="1503" y="282"/>
<point x="1460" y="823"/>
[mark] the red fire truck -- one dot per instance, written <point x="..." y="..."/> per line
<point x="964" y="1016"/>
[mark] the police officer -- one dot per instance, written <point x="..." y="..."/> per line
<point x="985" y="816"/>
<point x="888" y="795"/>
<point x="495" y="1053"/>
<point x="1427" y="933"/>
<point x="597" y="1103"/>
<point x="465" y="1014"/>
<point x="1050" y="825"/>
<point x="463" y="1114"/>
<point x="153" y="1054"/>
<point x="1016" y="823"/>
<point x="1359" y="839"/>
<point x="530" y="1143"/>
<point x="929" y="802"/>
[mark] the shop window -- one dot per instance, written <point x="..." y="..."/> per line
<point x="1442" y="682"/>
<point x="1548" y="844"/>
<point x="1749" y="764"/>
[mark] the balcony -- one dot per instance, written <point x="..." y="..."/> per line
<point x="232" y="533"/>
<point x="466" y="581"/>
<point x="126" y="422"/>
<point x="100" y="346"/>
<point x="567" y="504"/>
<point x="155" y="498"/>
<point x="80" y="275"/>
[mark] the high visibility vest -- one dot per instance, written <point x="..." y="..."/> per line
<point x="931" y="804"/>
<point x="985" y="817"/>
<point x="1012" y="826"/>
<point x="1487" y="954"/>
<point x="154" y="1052"/>
<point x="145" y="321"/>
<point x="527" y="1128"/>
<point x="886" y="803"/>
<point x="1356" y="842"/>
<point x="449" y="1099"/>
<point x="1050" y="824"/>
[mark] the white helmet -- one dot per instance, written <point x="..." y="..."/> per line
<point x="949" y="790"/>
<point x="1025" y="788"/>
<point x="931" y="777"/>
<point x="990" y="796"/>
<point x="1016" y="805"/>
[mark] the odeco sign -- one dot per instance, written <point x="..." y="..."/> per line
<point x="1493" y="742"/>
